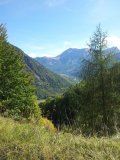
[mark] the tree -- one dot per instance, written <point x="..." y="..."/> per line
<point x="100" y="85"/>
<point x="3" y="33"/>
<point x="17" y="96"/>
<point x="93" y="105"/>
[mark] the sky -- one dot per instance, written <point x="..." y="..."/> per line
<point x="48" y="27"/>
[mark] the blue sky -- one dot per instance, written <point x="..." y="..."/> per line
<point x="48" y="27"/>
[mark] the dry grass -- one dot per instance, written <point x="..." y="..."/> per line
<point x="32" y="142"/>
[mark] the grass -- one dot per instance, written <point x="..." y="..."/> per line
<point x="41" y="101"/>
<point x="31" y="142"/>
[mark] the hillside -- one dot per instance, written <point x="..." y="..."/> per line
<point x="70" y="61"/>
<point x="47" y="83"/>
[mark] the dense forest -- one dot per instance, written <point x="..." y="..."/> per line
<point x="89" y="108"/>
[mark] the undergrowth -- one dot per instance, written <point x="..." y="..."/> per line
<point x="25" y="141"/>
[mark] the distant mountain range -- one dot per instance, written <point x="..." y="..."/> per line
<point x="47" y="82"/>
<point x="69" y="62"/>
<point x="66" y="63"/>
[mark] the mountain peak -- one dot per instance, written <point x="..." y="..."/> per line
<point x="69" y="62"/>
<point x="66" y="62"/>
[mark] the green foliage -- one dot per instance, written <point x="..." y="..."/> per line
<point x="65" y="109"/>
<point x="102" y="96"/>
<point x="79" y="109"/>
<point x="3" y="33"/>
<point x="93" y="106"/>
<point x="17" y="95"/>
<point x="29" y="141"/>
<point x="47" y="124"/>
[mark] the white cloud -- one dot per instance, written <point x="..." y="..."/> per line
<point x="67" y="43"/>
<point x="113" y="41"/>
<point x="54" y="3"/>
<point x="33" y="55"/>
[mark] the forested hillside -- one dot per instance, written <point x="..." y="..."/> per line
<point x="47" y="83"/>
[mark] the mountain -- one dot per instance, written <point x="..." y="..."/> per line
<point x="47" y="82"/>
<point x="115" y="51"/>
<point x="70" y="61"/>
<point x="66" y="63"/>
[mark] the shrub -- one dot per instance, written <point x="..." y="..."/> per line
<point x="47" y="124"/>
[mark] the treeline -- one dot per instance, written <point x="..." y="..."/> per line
<point x="93" y="105"/>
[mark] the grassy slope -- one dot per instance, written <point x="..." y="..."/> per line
<point x="27" y="141"/>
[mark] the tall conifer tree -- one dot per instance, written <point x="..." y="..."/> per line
<point x="100" y="85"/>
<point x="17" y="97"/>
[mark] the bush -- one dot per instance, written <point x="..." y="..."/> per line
<point x="47" y="124"/>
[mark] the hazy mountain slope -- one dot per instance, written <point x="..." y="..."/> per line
<point x="70" y="61"/>
<point x="66" y="63"/>
<point x="47" y="83"/>
<point x="115" y="51"/>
